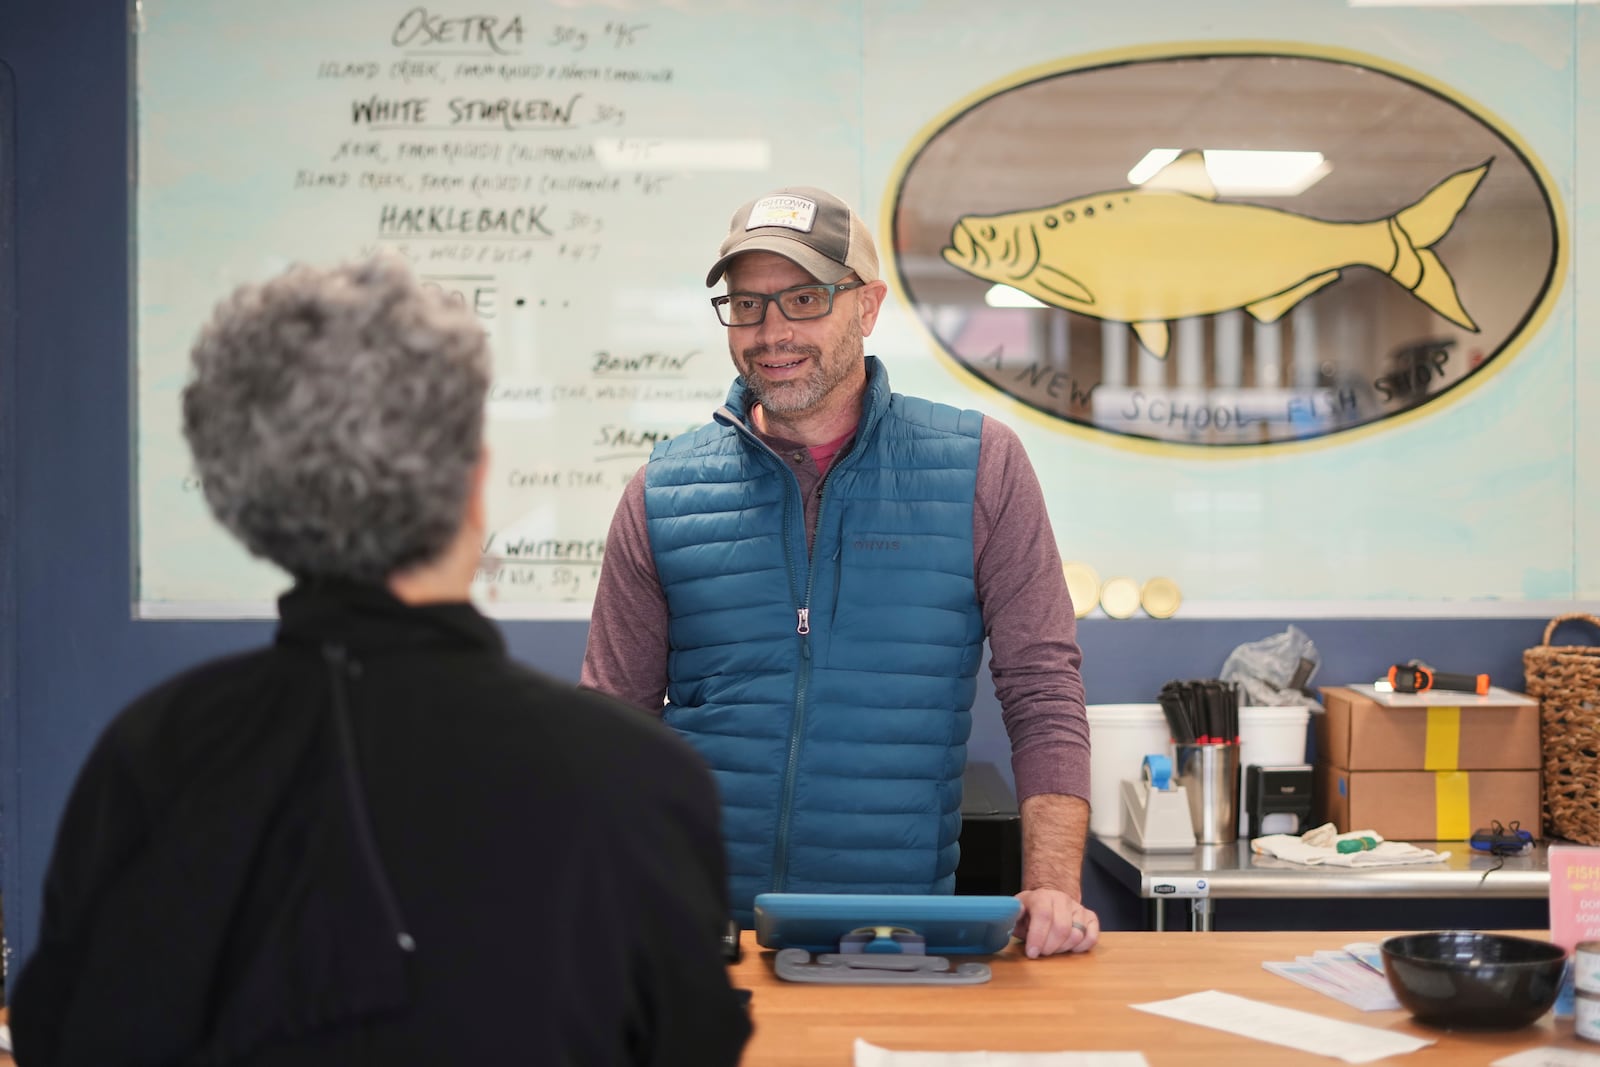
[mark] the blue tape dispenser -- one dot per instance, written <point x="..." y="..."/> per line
<point x="1155" y="810"/>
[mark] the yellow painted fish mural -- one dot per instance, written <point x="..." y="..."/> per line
<point x="1170" y="249"/>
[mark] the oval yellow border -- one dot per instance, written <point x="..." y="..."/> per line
<point x="1196" y="49"/>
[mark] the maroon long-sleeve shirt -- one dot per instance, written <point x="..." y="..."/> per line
<point x="1027" y="612"/>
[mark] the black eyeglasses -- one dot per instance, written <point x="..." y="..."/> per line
<point x="798" y="303"/>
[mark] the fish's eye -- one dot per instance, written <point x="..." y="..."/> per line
<point x="1050" y="222"/>
<point x="988" y="233"/>
<point x="1068" y="214"/>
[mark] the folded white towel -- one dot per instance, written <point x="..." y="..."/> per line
<point x="1319" y="847"/>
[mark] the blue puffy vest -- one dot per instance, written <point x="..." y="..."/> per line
<point x="831" y="694"/>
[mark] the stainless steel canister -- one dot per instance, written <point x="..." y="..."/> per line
<point x="1586" y="966"/>
<point x="1209" y="774"/>
<point x="1586" y="1016"/>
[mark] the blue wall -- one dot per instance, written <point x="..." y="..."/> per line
<point x="70" y="653"/>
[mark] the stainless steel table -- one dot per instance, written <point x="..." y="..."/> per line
<point x="1214" y="872"/>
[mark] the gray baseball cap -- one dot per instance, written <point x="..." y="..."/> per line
<point x="813" y="228"/>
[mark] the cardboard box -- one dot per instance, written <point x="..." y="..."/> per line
<point x="1426" y="805"/>
<point x="1429" y="732"/>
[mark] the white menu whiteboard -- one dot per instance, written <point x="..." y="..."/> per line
<point x="568" y="171"/>
<point x="570" y="168"/>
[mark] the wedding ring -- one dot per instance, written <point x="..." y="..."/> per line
<point x="1076" y="925"/>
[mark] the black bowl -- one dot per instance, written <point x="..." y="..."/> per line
<point x="1459" y="979"/>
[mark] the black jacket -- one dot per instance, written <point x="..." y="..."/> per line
<point x="382" y="841"/>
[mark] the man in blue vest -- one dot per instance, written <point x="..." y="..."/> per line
<point x="802" y="588"/>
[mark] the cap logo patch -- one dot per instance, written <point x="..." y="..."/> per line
<point x="795" y="212"/>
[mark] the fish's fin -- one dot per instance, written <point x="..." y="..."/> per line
<point x="1415" y="229"/>
<point x="1153" y="335"/>
<point x="1274" y="307"/>
<point x="1186" y="174"/>
<point x="1430" y="218"/>
<point x="1438" y="290"/>
<point x="1063" y="285"/>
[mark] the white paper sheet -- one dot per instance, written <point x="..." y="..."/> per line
<point x="1549" y="1057"/>
<point x="870" y="1055"/>
<point x="1338" y="975"/>
<point x="1285" y="1026"/>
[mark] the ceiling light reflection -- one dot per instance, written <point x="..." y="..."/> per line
<point x="1244" y="172"/>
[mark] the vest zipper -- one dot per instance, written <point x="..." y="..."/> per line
<point x="780" y="861"/>
<point x="780" y="864"/>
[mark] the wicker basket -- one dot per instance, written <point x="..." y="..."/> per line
<point x="1565" y="679"/>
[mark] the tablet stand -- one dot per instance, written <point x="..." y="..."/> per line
<point x="858" y="968"/>
<point x="883" y="940"/>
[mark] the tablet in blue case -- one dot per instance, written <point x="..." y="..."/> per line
<point x="949" y="925"/>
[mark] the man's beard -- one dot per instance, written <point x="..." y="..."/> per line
<point x="802" y="394"/>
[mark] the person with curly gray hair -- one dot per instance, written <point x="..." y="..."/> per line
<point x="374" y="841"/>
<point x="336" y="418"/>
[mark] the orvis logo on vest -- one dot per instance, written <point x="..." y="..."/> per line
<point x="866" y="545"/>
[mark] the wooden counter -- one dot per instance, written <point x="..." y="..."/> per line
<point x="1082" y="1003"/>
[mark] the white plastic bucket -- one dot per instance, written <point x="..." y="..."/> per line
<point x="1272" y="737"/>
<point x="1120" y="737"/>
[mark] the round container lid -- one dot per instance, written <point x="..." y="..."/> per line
<point x="1120" y="597"/>
<point x="1160" y="597"/>
<point x="1084" y="586"/>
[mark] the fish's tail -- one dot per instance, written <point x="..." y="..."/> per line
<point x="1416" y="229"/>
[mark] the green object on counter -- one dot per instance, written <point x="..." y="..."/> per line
<point x="1357" y="844"/>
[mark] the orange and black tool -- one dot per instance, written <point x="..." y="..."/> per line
<point x="1416" y="677"/>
